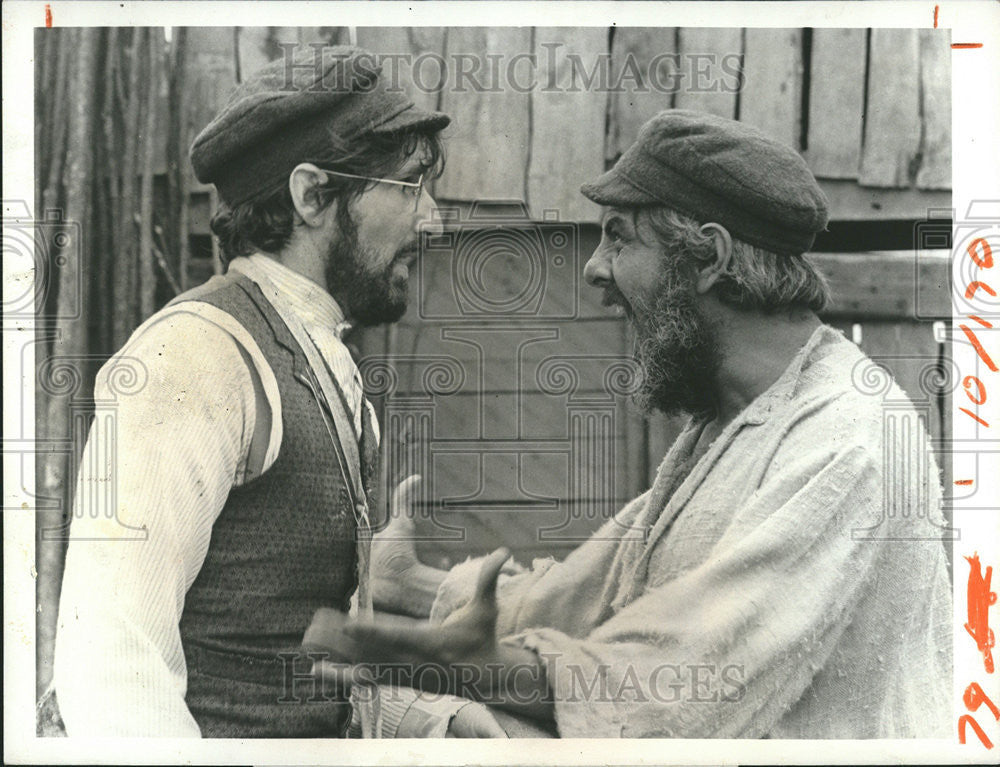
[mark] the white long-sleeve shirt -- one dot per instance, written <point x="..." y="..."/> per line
<point x="176" y="447"/>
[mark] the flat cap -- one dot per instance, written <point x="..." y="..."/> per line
<point x="714" y="169"/>
<point x="288" y="112"/>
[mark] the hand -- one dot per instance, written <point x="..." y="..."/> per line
<point x="400" y="583"/>
<point x="467" y="636"/>
<point x="394" y="649"/>
<point x="474" y="720"/>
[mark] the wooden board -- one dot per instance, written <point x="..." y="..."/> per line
<point x="489" y="135"/>
<point x="633" y="98"/>
<point x="531" y="274"/>
<point x="411" y="59"/>
<point x="935" y="84"/>
<point x="568" y="124"/>
<point x="836" y="102"/>
<point x="889" y="284"/>
<point x="505" y="349"/>
<point x="892" y="127"/>
<point x="850" y="202"/>
<point x="771" y="98"/>
<point x="708" y="87"/>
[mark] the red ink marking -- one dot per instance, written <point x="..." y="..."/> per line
<point x="936" y="8"/>
<point x="963" y="481"/>
<point x="974" y="697"/>
<point x="966" y="45"/>
<point x="974" y="416"/>
<point x="48" y="15"/>
<point x="979" y="600"/>
<point x="987" y="260"/>
<point x="966" y="719"/>
<point x="968" y="382"/>
<point x="979" y="348"/>
<point x="981" y="321"/>
<point x="976" y="285"/>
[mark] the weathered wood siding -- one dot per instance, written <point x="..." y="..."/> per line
<point x="516" y="450"/>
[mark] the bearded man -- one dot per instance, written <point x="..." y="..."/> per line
<point x="249" y="456"/>
<point x="782" y="577"/>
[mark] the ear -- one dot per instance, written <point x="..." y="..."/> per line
<point x="302" y="184"/>
<point x="711" y="272"/>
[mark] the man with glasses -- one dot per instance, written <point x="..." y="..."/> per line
<point x="250" y="455"/>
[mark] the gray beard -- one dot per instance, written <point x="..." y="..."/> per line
<point x="676" y="350"/>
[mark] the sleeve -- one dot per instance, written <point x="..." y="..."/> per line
<point x="568" y="594"/>
<point x="408" y="713"/>
<point x="155" y="475"/>
<point x="752" y="624"/>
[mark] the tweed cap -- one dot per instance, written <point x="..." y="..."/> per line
<point x="719" y="170"/>
<point x="288" y="112"/>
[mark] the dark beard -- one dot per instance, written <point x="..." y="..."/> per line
<point x="676" y="350"/>
<point x="367" y="297"/>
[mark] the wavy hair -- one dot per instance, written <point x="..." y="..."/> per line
<point x="756" y="278"/>
<point x="265" y="223"/>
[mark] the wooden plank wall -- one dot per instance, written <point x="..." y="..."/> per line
<point x="870" y="111"/>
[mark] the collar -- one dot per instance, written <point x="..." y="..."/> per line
<point x="311" y="302"/>
<point x="783" y="389"/>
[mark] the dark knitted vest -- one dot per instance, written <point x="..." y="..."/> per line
<point x="283" y="546"/>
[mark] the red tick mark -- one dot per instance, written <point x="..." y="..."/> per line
<point x="963" y="481"/>
<point x="966" y="45"/>
<point x="48" y="15"/>
<point x="936" y="8"/>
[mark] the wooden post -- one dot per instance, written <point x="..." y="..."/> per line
<point x="147" y="276"/>
<point x="70" y="345"/>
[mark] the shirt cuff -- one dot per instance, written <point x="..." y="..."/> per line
<point x="430" y="715"/>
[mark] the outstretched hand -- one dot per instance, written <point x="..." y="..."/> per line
<point x="391" y="645"/>
<point x="461" y="656"/>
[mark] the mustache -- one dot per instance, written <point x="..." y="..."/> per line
<point x="614" y="297"/>
<point x="407" y="252"/>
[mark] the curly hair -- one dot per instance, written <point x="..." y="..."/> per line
<point x="756" y="278"/>
<point x="265" y="223"/>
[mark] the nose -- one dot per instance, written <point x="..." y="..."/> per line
<point x="428" y="218"/>
<point x="597" y="271"/>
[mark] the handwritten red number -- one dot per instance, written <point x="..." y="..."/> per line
<point x="980" y="397"/>
<point x="974" y="697"/>
<point x="966" y="719"/>
<point x="987" y="260"/>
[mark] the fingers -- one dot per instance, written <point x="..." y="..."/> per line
<point x="475" y="720"/>
<point x="328" y="632"/>
<point x="394" y="639"/>
<point x="405" y="492"/>
<point x="486" y="585"/>
<point x="486" y="725"/>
